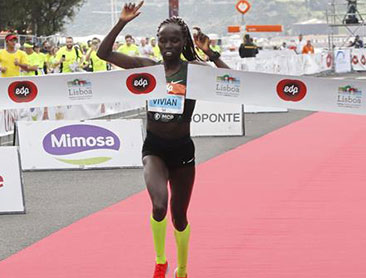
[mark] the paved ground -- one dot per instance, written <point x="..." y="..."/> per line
<point x="55" y="199"/>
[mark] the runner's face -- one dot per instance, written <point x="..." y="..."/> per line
<point x="171" y="41"/>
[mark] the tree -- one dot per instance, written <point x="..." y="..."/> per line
<point x="39" y="17"/>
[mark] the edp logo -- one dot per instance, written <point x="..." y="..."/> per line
<point x="22" y="91"/>
<point x="291" y="90"/>
<point x="141" y="83"/>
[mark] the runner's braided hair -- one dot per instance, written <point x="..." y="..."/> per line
<point x="189" y="51"/>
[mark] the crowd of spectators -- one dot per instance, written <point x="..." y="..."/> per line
<point x="30" y="58"/>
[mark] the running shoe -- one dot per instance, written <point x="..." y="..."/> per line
<point x="160" y="270"/>
<point x="175" y="275"/>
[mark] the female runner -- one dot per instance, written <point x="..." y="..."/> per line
<point x="168" y="150"/>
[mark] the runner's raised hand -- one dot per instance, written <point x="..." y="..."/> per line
<point x="201" y="40"/>
<point x="130" y="11"/>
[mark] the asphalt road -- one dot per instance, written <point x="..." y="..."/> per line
<point x="55" y="199"/>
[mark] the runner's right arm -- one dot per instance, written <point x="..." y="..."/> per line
<point x="105" y="52"/>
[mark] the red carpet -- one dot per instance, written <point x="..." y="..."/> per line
<point x="291" y="204"/>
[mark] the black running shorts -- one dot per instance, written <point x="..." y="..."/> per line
<point x="175" y="153"/>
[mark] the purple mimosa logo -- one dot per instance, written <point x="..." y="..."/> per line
<point x="78" y="138"/>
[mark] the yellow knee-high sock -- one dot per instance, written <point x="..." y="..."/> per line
<point x="182" y="241"/>
<point x="159" y="232"/>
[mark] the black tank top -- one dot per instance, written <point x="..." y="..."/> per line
<point x="176" y="85"/>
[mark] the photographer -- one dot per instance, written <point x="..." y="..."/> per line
<point x="350" y="17"/>
<point x="357" y="43"/>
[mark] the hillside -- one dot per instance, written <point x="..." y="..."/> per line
<point x="213" y="16"/>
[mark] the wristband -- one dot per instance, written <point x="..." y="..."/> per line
<point x="215" y="55"/>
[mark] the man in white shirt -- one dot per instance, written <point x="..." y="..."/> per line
<point x="145" y="49"/>
<point x="300" y="44"/>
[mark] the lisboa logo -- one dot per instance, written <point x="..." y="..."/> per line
<point x="80" y="144"/>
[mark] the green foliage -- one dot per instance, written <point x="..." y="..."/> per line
<point x="41" y="17"/>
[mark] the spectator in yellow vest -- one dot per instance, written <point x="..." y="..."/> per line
<point x="69" y="57"/>
<point x="94" y="62"/>
<point x="156" y="50"/>
<point x="33" y="60"/>
<point x="214" y="46"/>
<point x="41" y="57"/>
<point x="129" y="48"/>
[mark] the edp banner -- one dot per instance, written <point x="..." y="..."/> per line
<point x="82" y="88"/>
<point x="342" y="60"/>
<point x="217" y="119"/>
<point x="80" y="145"/>
<point x="359" y="59"/>
<point x="272" y="90"/>
<point x="11" y="182"/>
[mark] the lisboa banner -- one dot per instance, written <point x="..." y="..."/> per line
<point x="272" y="90"/>
<point x="82" y="88"/>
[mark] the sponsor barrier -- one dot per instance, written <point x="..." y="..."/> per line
<point x="75" y="144"/>
<point x="342" y="60"/>
<point x="69" y="112"/>
<point x="358" y="59"/>
<point x="217" y="119"/>
<point x="283" y="62"/>
<point x="303" y="93"/>
<point x="11" y="182"/>
<point x="82" y="88"/>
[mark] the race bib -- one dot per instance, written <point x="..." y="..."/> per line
<point x="173" y="103"/>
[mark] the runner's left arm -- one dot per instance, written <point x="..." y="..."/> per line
<point x="202" y="41"/>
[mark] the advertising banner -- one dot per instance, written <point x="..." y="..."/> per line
<point x="69" y="112"/>
<point x="80" y="145"/>
<point x="11" y="182"/>
<point x="217" y="119"/>
<point x="302" y="93"/>
<point x="359" y="59"/>
<point x="82" y="88"/>
<point x="342" y="60"/>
